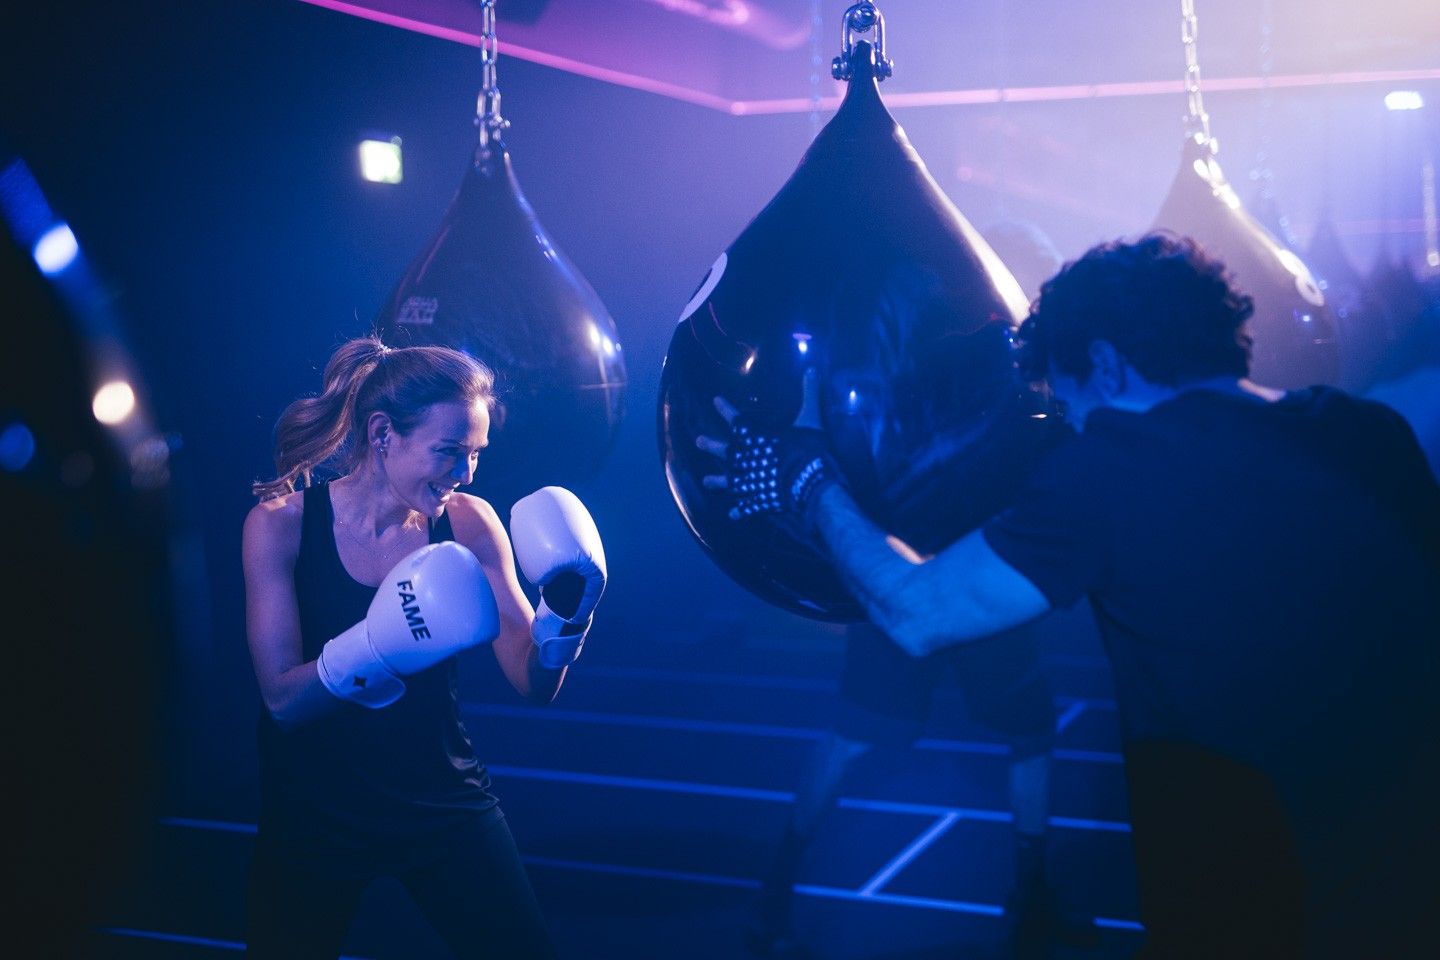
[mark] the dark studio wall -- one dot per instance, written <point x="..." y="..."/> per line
<point x="204" y="155"/>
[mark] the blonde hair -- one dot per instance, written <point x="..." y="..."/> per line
<point x="363" y="376"/>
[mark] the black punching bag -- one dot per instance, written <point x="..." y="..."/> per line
<point x="1295" y="338"/>
<point x="493" y="284"/>
<point x="1357" y="318"/>
<point x="862" y="268"/>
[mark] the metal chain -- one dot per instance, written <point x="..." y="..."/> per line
<point x="1431" y="218"/>
<point x="817" y="64"/>
<point x="1261" y="173"/>
<point x="1002" y="110"/>
<point x="491" y="125"/>
<point x="1197" y="121"/>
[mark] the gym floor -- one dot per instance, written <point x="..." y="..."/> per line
<point x="648" y="801"/>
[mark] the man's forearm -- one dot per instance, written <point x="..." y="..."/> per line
<point x="963" y="593"/>
<point x="880" y="571"/>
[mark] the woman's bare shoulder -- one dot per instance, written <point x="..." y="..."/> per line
<point x="276" y="523"/>
<point x="476" y="524"/>
<point x="468" y="508"/>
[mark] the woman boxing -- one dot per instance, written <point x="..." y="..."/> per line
<point x="358" y="594"/>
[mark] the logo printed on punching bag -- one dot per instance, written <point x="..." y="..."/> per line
<point x="707" y="287"/>
<point x="418" y="311"/>
<point x="418" y="630"/>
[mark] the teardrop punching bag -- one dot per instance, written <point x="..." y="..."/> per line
<point x="1295" y="344"/>
<point x="493" y="284"/>
<point x="1326" y="254"/>
<point x="862" y="268"/>
<point x="1358" y="323"/>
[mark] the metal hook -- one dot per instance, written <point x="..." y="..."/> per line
<point x="859" y="19"/>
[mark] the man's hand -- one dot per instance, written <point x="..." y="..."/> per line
<point x="770" y="471"/>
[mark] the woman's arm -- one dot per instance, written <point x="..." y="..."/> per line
<point x="477" y="527"/>
<point x="290" y="687"/>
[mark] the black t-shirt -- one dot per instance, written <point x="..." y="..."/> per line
<point x="1265" y="580"/>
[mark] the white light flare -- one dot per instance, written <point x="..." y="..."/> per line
<point x="380" y="161"/>
<point x="56" y="249"/>
<point x="1404" y="100"/>
<point x="113" y="403"/>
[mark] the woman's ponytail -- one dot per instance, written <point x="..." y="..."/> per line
<point x="313" y="429"/>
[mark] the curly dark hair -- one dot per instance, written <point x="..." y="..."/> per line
<point x="1166" y="305"/>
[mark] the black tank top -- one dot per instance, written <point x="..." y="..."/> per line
<point x="356" y="775"/>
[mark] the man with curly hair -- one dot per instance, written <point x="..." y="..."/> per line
<point x="1265" y="573"/>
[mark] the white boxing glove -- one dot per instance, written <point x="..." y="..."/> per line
<point x="430" y="606"/>
<point x="558" y="547"/>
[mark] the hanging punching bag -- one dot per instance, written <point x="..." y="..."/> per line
<point x="862" y="268"/>
<point x="1265" y="208"/>
<point x="1295" y="340"/>
<point x="1357" y="320"/>
<point x="493" y="284"/>
<point x="1397" y="292"/>
<point x="1326" y="254"/>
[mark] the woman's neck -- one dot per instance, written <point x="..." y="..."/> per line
<point x="367" y="504"/>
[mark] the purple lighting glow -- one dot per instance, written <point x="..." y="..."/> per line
<point x="698" y="68"/>
<point x="746" y="18"/>
<point x="618" y="77"/>
<point x="1084" y="91"/>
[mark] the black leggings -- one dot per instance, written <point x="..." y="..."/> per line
<point x="467" y="880"/>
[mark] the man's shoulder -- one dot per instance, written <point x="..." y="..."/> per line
<point x="1344" y="411"/>
<point x="1204" y="408"/>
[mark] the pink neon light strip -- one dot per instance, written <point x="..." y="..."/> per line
<point x="926" y="98"/>
<point x="617" y="77"/>
<point x="1087" y="91"/>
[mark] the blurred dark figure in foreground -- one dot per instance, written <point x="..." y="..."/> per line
<point x="85" y="583"/>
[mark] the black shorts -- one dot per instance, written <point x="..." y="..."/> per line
<point x="886" y="694"/>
